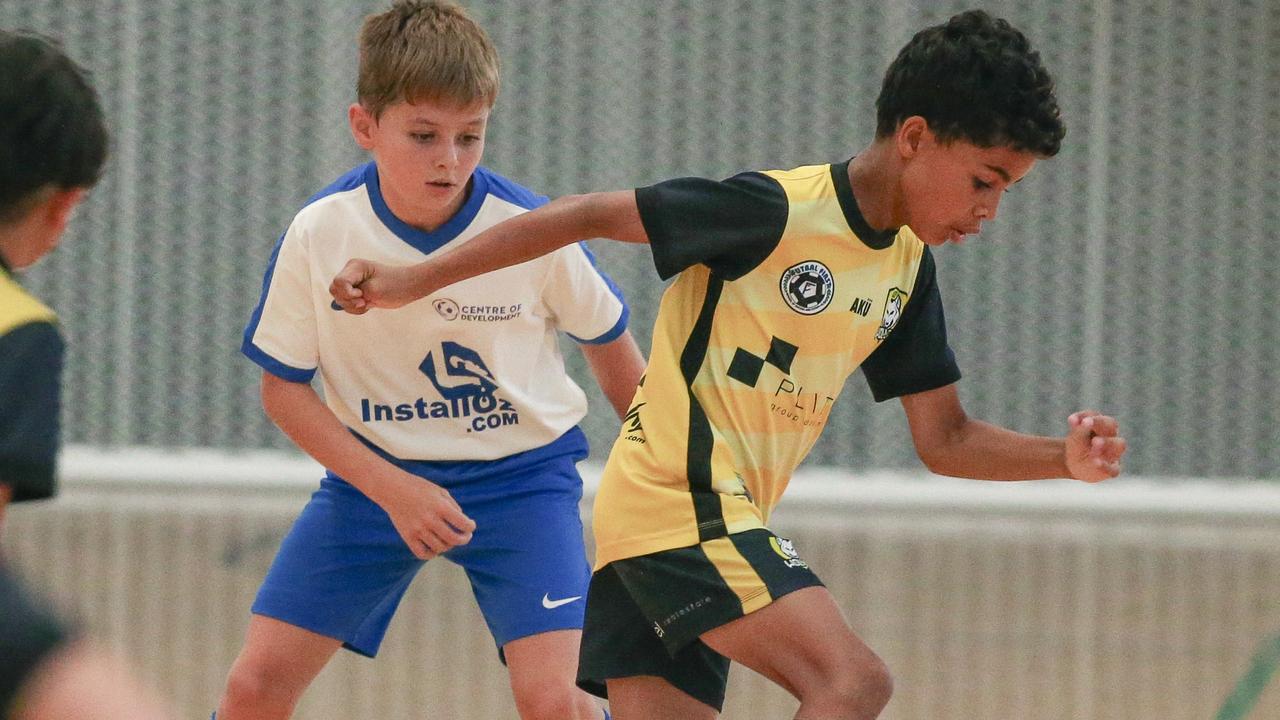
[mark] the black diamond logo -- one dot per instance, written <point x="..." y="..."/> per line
<point x="746" y="366"/>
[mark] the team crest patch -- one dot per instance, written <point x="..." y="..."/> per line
<point x="807" y="287"/>
<point x="787" y="551"/>
<point x="893" y="303"/>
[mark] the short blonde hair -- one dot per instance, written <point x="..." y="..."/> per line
<point x="425" y="50"/>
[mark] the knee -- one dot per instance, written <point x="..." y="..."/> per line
<point x="258" y="686"/>
<point x="866" y="684"/>
<point x="554" y="701"/>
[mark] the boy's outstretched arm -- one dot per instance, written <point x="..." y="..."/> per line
<point x="617" y="366"/>
<point x="362" y="284"/>
<point x="951" y="443"/>
<point x="425" y="515"/>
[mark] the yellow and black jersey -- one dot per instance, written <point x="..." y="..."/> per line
<point x="782" y="290"/>
<point x="30" y="371"/>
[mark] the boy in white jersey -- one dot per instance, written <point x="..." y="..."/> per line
<point x="448" y="427"/>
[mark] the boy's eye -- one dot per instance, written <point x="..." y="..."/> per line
<point x="980" y="185"/>
<point x="422" y="137"/>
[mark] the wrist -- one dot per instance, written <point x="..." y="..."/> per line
<point x="426" y="280"/>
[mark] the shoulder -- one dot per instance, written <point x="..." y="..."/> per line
<point x="741" y="198"/>
<point x="321" y="206"/>
<point x="804" y="173"/>
<point x="18" y="307"/>
<point x="508" y="190"/>
<point x="350" y="180"/>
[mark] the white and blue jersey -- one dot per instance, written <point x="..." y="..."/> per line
<point x="472" y="372"/>
<point x="466" y="388"/>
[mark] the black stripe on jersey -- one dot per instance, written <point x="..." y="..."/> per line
<point x="874" y="239"/>
<point x="706" y="503"/>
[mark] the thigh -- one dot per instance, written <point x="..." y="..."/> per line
<point x="652" y="698"/>
<point x="545" y="659"/>
<point x="340" y="571"/>
<point x="801" y="641"/>
<point x="287" y="655"/>
<point x="527" y="565"/>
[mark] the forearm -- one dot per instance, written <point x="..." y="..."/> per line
<point x="298" y="411"/>
<point x="561" y="222"/>
<point x="617" y="366"/>
<point x="980" y="450"/>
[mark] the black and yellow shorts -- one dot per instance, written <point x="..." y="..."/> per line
<point x="646" y="613"/>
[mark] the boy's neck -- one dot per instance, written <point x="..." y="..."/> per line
<point x="431" y="220"/>
<point x="874" y="176"/>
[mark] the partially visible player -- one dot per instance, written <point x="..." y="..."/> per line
<point x="786" y="281"/>
<point x="448" y="427"/>
<point x="53" y="144"/>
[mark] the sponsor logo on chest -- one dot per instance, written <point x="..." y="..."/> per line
<point x="467" y="388"/>
<point x="451" y="310"/>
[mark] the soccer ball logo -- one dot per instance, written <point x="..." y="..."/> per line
<point x="447" y="308"/>
<point x="807" y="287"/>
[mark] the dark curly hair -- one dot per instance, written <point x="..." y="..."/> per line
<point x="52" y="130"/>
<point x="973" y="78"/>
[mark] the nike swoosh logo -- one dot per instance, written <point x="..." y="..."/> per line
<point x="550" y="604"/>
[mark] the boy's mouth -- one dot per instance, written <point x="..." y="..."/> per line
<point x="958" y="235"/>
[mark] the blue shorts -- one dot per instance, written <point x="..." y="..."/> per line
<point x="343" y="568"/>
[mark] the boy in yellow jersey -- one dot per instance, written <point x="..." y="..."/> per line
<point x="785" y="283"/>
<point x="53" y="146"/>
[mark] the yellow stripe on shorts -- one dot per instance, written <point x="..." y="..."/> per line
<point x="738" y="574"/>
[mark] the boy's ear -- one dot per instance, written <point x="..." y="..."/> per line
<point x="912" y="133"/>
<point x="362" y="123"/>
<point x="60" y="206"/>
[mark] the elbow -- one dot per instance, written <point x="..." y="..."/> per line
<point x="939" y="454"/>
<point x="933" y="461"/>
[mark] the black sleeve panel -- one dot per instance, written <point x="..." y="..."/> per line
<point x="30" y="376"/>
<point x="730" y="226"/>
<point x="915" y="357"/>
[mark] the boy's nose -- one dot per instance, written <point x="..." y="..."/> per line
<point x="985" y="211"/>
<point x="447" y="158"/>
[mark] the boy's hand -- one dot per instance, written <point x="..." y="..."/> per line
<point x="427" y="517"/>
<point x="1094" y="446"/>
<point x="364" y="284"/>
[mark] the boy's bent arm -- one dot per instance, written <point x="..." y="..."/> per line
<point x="951" y="443"/>
<point x="617" y="366"/>
<point x="362" y="284"/>
<point x="425" y="515"/>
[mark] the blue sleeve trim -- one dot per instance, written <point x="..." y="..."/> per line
<point x="274" y="366"/>
<point x="621" y="325"/>
<point x="256" y="316"/>
<point x="612" y="333"/>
